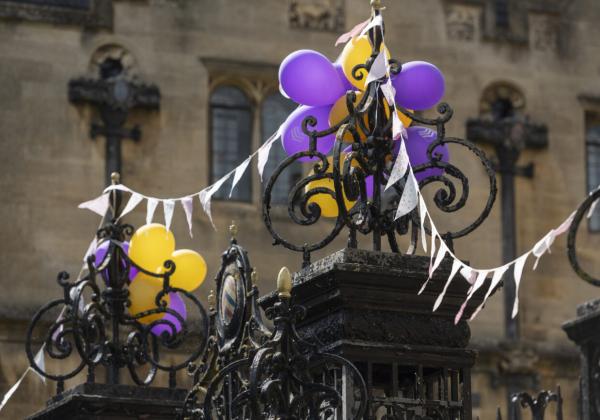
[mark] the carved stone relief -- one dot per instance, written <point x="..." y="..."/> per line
<point x="462" y="22"/>
<point x="543" y="32"/>
<point x="322" y="15"/>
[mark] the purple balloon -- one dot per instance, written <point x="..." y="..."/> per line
<point x="100" y="254"/>
<point x="419" y="86"/>
<point x="309" y="78"/>
<point x="294" y="140"/>
<point x="417" y="142"/>
<point x="176" y="304"/>
<point x="345" y="82"/>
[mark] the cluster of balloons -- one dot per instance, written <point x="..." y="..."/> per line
<point x="320" y="86"/>
<point x="150" y="246"/>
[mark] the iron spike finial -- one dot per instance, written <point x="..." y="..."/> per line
<point x="233" y="230"/>
<point x="115" y="177"/>
<point x="284" y="283"/>
<point x="376" y="5"/>
<point x="212" y="301"/>
<point x="253" y="277"/>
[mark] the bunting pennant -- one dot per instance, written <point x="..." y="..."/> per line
<point x="188" y="207"/>
<point x="352" y="33"/>
<point x="168" y="208"/>
<point x="239" y="172"/>
<point x="497" y="276"/>
<point x="456" y="265"/>
<point x="376" y="21"/>
<point x="409" y="198"/>
<point x="206" y="196"/>
<point x="152" y="203"/>
<point x="379" y="68"/>
<point x="98" y="205"/>
<point x="134" y="200"/>
<point x="519" y="264"/>
<point x="263" y="153"/>
<point x="400" y="166"/>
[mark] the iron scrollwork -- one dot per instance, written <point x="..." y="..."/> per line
<point x="257" y="369"/>
<point x="588" y="206"/>
<point x="353" y="163"/>
<point x="94" y="325"/>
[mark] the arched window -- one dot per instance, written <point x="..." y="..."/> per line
<point x="231" y="138"/>
<point x="275" y="109"/>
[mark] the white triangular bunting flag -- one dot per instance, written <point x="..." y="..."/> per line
<point x="541" y="247"/>
<point x="422" y="214"/>
<point x="376" y="21"/>
<point x="398" y="129"/>
<point x="263" y="153"/>
<point x="519" y="264"/>
<point x="168" y="208"/>
<point x="206" y="194"/>
<point x="41" y="362"/>
<point x="151" y="207"/>
<point x="98" y="205"/>
<point x="117" y="187"/>
<point x="12" y="390"/>
<point x="400" y="166"/>
<point x="469" y="274"/>
<point x="481" y="276"/>
<point x="496" y="277"/>
<point x="389" y="92"/>
<point x="438" y="260"/>
<point x="188" y="207"/>
<point x="132" y="203"/>
<point x="456" y="265"/>
<point x="379" y="68"/>
<point x="239" y="172"/>
<point x="409" y="198"/>
<point x="434" y="237"/>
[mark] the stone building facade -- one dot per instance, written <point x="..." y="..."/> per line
<point x="211" y="56"/>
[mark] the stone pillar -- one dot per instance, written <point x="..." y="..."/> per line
<point x="115" y="402"/>
<point x="365" y="306"/>
<point x="584" y="330"/>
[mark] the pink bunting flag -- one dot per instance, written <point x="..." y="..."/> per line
<point x="344" y="38"/>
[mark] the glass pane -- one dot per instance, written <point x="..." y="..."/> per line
<point x="593" y="161"/>
<point x="275" y="110"/>
<point x="231" y="140"/>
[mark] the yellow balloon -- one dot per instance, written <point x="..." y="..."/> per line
<point x="357" y="51"/>
<point x="190" y="269"/>
<point x="151" y="245"/>
<point x="326" y="202"/>
<point x="142" y="295"/>
<point x="339" y="111"/>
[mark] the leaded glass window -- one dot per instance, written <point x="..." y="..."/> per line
<point x="231" y="139"/>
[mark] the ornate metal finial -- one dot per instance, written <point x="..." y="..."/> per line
<point x="253" y="277"/>
<point x="212" y="300"/>
<point x="233" y="230"/>
<point x="115" y="177"/>
<point x="284" y="283"/>
<point x="376" y="5"/>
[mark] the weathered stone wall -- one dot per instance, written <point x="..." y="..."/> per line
<point x="49" y="164"/>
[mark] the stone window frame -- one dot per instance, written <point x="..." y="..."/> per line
<point x="591" y="109"/>
<point x="98" y="16"/>
<point x="257" y="81"/>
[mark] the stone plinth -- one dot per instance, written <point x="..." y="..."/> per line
<point x="585" y="332"/>
<point x="114" y="402"/>
<point x="365" y="305"/>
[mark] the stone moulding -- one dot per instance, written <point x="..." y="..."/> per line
<point x="94" y="14"/>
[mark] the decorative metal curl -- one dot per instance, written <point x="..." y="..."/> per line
<point x="364" y="149"/>
<point x="582" y="210"/>
<point x="93" y="316"/>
